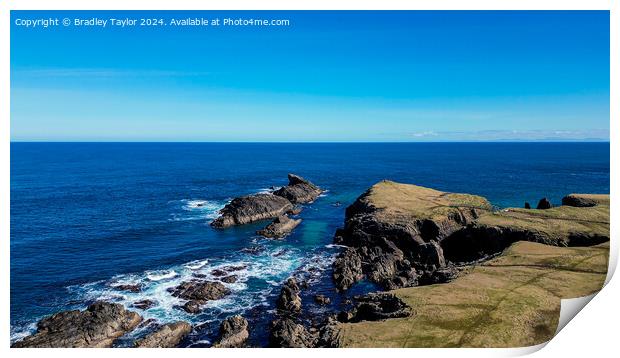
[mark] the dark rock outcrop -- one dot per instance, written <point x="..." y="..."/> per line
<point x="543" y="204"/>
<point x="286" y="333"/>
<point x="527" y="205"/>
<point x="229" y="279"/>
<point x="299" y="190"/>
<point x="128" y="287"/>
<point x="192" y="307"/>
<point x="279" y="227"/>
<point x="347" y="269"/>
<point x="252" y="208"/>
<point x="143" y="304"/>
<point x="97" y="326"/>
<point x="167" y="336"/>
<point x="233" y="333"/>
<point x="580" y="201"/>
<point x="322" y="299"/>
<point x="201" y="291"/>
<point x="394" y="232"/>
<point x="375" y="307"/>
<point x="289" y="299"/>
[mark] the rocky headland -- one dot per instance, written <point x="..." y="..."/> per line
<point x="502" y="272"/>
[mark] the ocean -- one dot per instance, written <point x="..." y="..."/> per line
<point x="88" y="216"/>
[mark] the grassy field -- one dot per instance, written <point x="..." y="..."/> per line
<point x="510" y="301"/>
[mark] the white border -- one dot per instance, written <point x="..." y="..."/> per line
<point x="592" y="332"/>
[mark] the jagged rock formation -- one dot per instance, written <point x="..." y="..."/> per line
<point x="96" y="327"/>
<point x="167" y="336"/>
<point x="299" y="190"/>
<point x="279" y="227"/>
<point x="543" y="204"/>
<point x="247" y="209"/>
<point x="233" y="333"/>
<point x="289" y="299"/>
<point x="198" y="293"/>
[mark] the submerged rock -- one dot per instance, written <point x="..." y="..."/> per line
<point x="299" y="190"/>
<point x="279" y="227"/>
<point x="233" y="332"/>
<point x="96" y="327"/>
<point x="289" y="299"/>
<point x="252" y="208"/>
<point x="229" y="279"/>
<point x="167" y="336"/>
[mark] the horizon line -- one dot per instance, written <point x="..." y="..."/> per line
<point x="593" y="140"/>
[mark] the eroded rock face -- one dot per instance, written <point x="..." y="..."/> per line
<point x="199" y="292"/>
<point x="279" y="227"/>
<point x="167" y="336"/>
<point x="252" y="208"/>
<point x="375" y="307"/>
<point x="299" y="190"/>
<point x="96" y="327"/>
<point x="394" y="232"/>
<point x="286" y="333"/>
<point x="233" y="332"/>
<point x="289" y="299"/>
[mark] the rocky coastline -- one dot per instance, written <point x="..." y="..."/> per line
<point x="397" y="236"/>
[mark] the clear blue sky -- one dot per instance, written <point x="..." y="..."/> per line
<point x="329" y="76"/>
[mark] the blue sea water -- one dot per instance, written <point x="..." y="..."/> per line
<point x="88" y="216"/>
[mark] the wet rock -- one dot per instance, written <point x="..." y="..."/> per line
<point x="279" y="227"/>
<point x="544" y="204"/>
<point x="299" y="190"/>
<point x="167" y="336"/>
<point x="128" y="287"/>
<point x="527" y="205"/>
<point x="580" y="201"/>
<point x="322" y="299"/>
<point x="234" y="268"/>
<point x="199" y="275"/>
<point x="201" y="291"/>
<point x="97" y="326"/>
<point x="218" y="273"/>
<point x="192" y="307"/>
<point x="143" y="304"/>
<point x="289" y="299"/>
<point x="229" y="279"/>
<point x="375" y="307"/>
<point x="286" y="333"/>
<point x="233" y="332"/>
<point x="252" y="208"/>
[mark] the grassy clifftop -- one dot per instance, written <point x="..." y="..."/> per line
<point x="396" y="201"/>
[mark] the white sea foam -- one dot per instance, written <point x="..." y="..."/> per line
<point x="197" y="209"/>
<point x="160" y="275"/>
<point x="195" y="265"/>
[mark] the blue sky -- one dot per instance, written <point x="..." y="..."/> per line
<point x="329" y="76"/>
